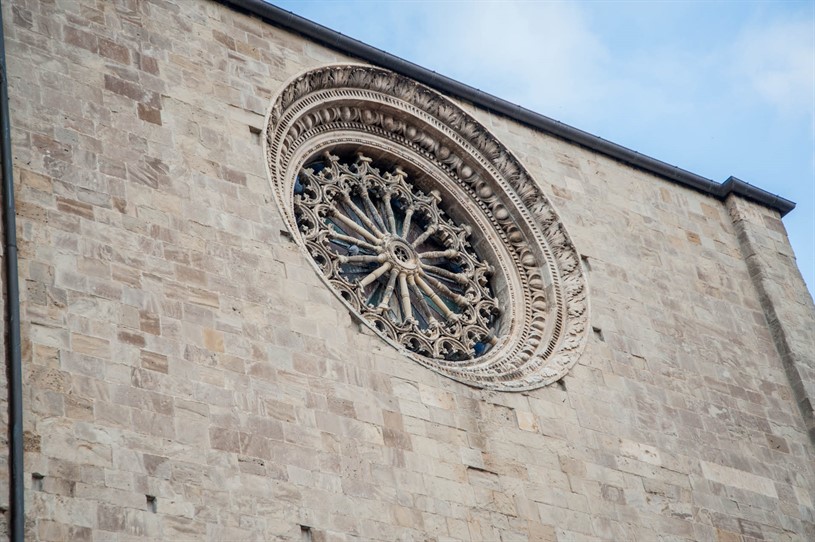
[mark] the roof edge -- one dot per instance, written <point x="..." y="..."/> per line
<point x="350" y="46"/>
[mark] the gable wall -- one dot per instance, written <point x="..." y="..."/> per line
<point x="178" y="345"/>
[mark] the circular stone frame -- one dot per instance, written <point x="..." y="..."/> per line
<point x="538" y="275"/>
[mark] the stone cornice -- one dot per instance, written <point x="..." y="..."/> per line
<point x="285" y="19"/>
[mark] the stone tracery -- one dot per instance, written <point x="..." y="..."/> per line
<point x="405" y="266"/>
<point x="535" y="325"/>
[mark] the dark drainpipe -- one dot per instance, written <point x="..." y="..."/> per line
<point x="13" y="351"/>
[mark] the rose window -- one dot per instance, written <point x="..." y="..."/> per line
<point x="426" y="227"/>
<point x="396" y="257"/>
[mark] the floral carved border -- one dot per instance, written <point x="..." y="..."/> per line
<point x="546" y="305"/>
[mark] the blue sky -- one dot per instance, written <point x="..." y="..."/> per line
<point x="717" y="88"/>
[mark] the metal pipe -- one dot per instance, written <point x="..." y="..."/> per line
<point x="13" y="349"/>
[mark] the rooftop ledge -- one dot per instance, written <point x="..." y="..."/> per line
<point x="290" y="21"/>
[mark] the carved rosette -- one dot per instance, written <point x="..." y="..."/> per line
<point x="484" y="284"/>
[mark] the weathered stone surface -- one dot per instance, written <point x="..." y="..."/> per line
<point x="189" y="377"/>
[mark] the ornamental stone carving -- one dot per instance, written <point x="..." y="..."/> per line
<point x="426" y="227"/>
<point x="396" y="258"/>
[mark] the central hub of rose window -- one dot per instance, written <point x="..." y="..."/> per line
<point x="402" y="255"/>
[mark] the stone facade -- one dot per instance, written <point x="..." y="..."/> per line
<point x="188" y="375"/>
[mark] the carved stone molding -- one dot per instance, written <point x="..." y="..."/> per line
<point x="494" y="296"/>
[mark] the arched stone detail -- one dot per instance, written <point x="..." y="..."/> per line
<point x="536" y="276"/>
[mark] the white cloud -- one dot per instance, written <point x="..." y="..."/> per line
<point x="542" y="55"/>
<point x="548" y="57"/>
<point x="777" y="61"/>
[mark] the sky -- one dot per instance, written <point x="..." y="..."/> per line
<point x="716" y="88"/>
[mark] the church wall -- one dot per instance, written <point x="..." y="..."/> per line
<point x="188" y="375"/>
